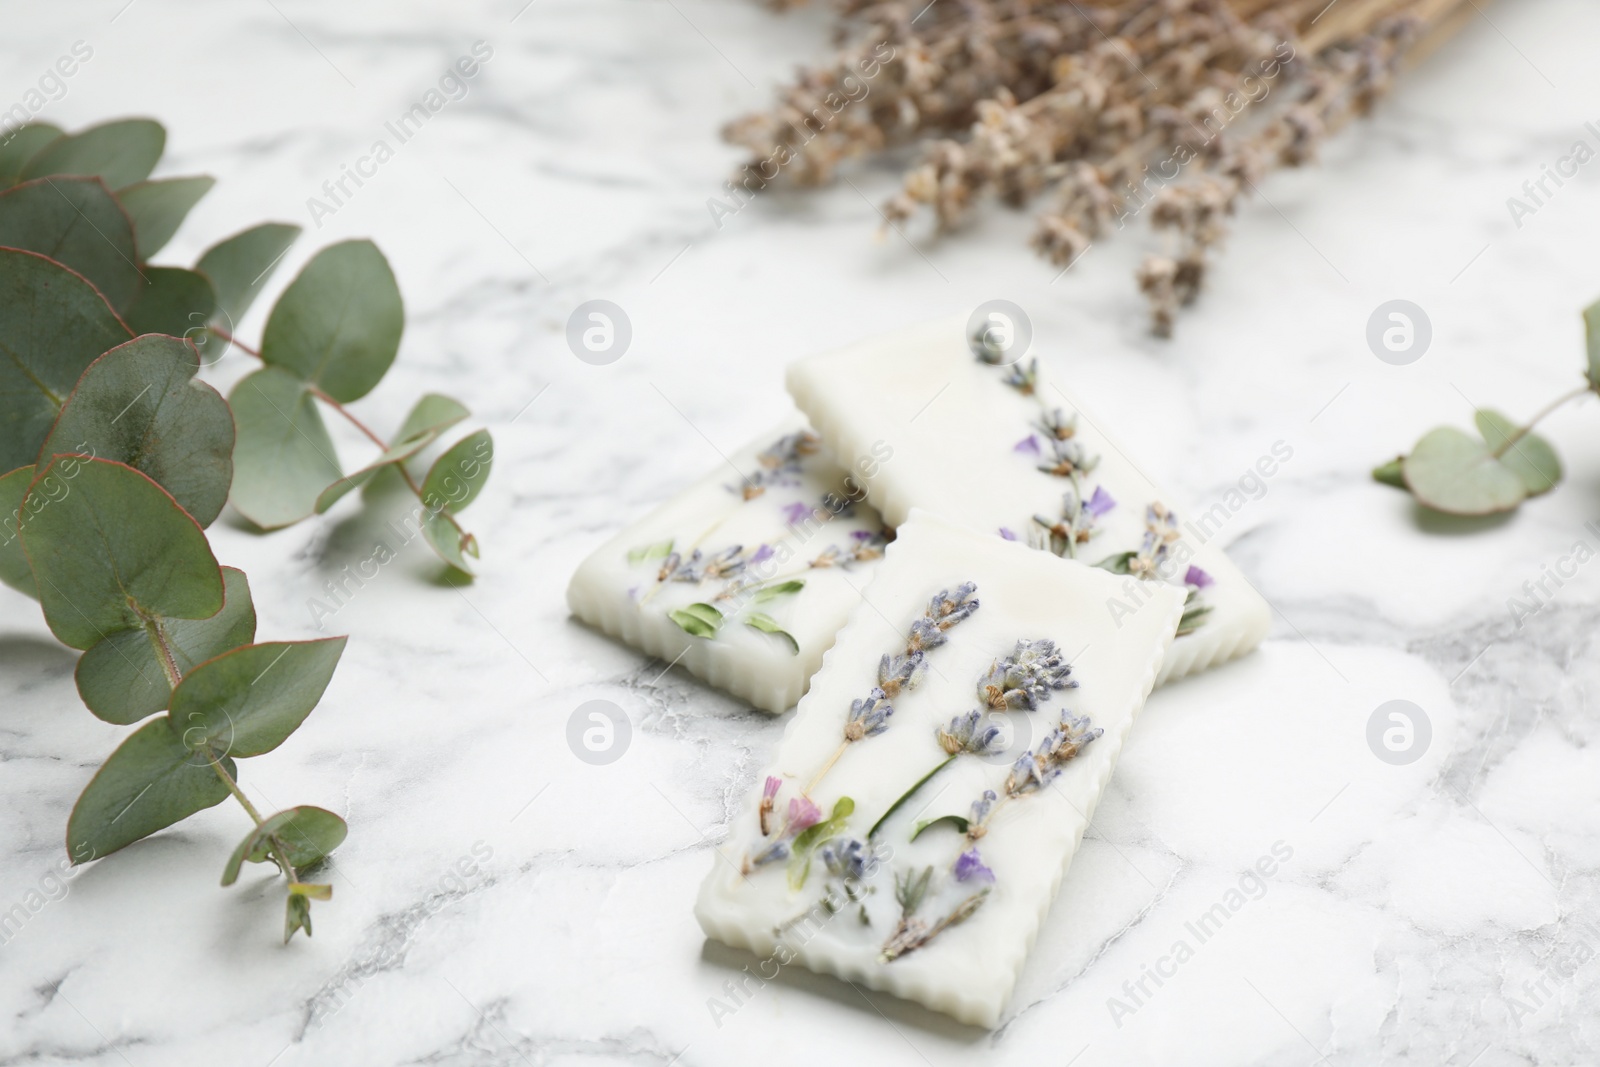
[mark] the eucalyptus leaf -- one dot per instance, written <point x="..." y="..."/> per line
<point x="140" y="404"/>
<point x="396" y="453"/>
<point x="307" y="835"/>
<point x="111" y="549"/>
<point x="53" y="324"/>
<point x="282" y="455"/>
<point x="429" y="418"/>
<point x="121" y="680"/>
<point x="239" y="266"/>
<point x="1529" y="457"/>
<point x="1451" y="471"/>
<point x="79" y="224"/>
<point x="21" y="145"/>
<point x="1391" y="473"/>
<point x="297" y="916"/>
<point x="434" y="413"/>
<point x="150" y="782"/>
<point x="249" y="700"/>
<point x="768" y="625"/>
<point x="14" y="569"/>
<point x="120" y="152"/>
<point x="173" y="301"/>
<point x="159" y="207"/>
<point x="338" y="324"/>
<point x="449" y="543"/>
<point x="697" y="620"/>
<point x="458" y="475"/>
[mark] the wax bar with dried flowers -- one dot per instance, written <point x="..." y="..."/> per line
<point x="1002" y="448"/>
<point x="745" y="577"/>
<point x="924" y="804"/>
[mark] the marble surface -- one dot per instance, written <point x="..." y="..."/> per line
<point x="500" y="901"/>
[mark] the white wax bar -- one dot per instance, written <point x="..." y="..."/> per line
<point x="966" y="440"/>
<point x="784" y="513"/>
<point x="965" y="968"/>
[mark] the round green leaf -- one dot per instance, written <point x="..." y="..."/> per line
<point x="14" y="569"/>
<point x="53" y="324"/>
<point x="111" y="549"/>
<point x="79" y="224"/>
<point x="282" y="457"/>
<point x="122" y="681"/>
<point x="457" y="476"/>
<point x="159" y="207"/>
<point x="121" y="153"/>
<point x="434" y="413"/>
<point x="1529" y="457"/>
<point x="150" y="782"/>
<point x="21" y="145"/>
<point x="401" y="450"/>
<point x="448" y="542"/>
<point x="338" y="324"/>
<point x="308" y="834"/>
<point x="240" y="266"/>
<point x="175" y="302"/>
<point x="140" y="404"/>
<point x="429" y="418"/>
<point x="1453" y="472"/>
<point x="248" y="701"/>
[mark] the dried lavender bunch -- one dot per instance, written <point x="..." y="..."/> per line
<point x="1178" y="106"/>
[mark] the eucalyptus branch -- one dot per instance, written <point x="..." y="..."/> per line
<point x="1457" y="473"/>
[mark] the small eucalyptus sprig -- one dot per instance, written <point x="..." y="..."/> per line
<point x="116" y="457"/>
<point x="1454" y="472"/>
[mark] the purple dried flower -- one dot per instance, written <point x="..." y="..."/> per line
<point x="863" y="535"/>
<point x="963" y="735"/>
<point x="769" y="792"/>
<point x="970" y="865"/>
<point x="849" y="860"/>
<point x="1198" y="578"/>
<point x="1008" y="534"/>
<point x="1025" y="679"/>
<point x="761" y="555"/>
<point x="981" y="809"/>
<point x="793" y="513"/>
<point x="868" y="717"/>
<point x="803" y="812"/>
<point x="1099" y="502"/>
<point x="1029" y="445"/>
<point x="778" y="850"/>
<point x="900" y="673"/>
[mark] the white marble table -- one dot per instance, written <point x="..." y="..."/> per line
<point x="501" y="902"/>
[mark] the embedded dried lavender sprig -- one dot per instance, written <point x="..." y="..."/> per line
<point x="780" y="464"/>
<point x="848" y="859"/>
<point x="901" y="673"/>
<point x="963" y="735"/>
<point x="1026" y="678"/>
<point x="868" y="717"/>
